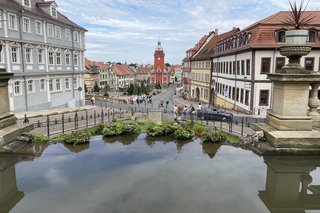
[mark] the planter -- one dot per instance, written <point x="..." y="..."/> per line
<point x="297" y="37"/>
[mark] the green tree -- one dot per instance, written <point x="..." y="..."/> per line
<point x="106" y="90"/>
<point x="96" y="87"/>
<point x="175" y="79"/>
<point x="130" y="89"/>
<point x="168" y="65"/>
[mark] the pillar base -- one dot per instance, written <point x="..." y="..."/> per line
<point x="289" y="123"/>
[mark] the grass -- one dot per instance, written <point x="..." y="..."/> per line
<point x="232" y="138"/>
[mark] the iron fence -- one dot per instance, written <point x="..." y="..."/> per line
<point x="51" y="125"/>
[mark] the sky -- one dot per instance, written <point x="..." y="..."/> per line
<point x="128" y="30"/>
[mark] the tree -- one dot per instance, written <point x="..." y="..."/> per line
<point x="175" y="79"/>
<point x="96" y="87"/>
<point x="133" y="65"/>
<point x="130" y="89"/>
<point x="168" y="65"/>
<point x="106" y="90"/>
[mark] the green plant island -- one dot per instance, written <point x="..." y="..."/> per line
<point x="186" y="131"/>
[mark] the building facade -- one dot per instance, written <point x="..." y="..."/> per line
<point x="143" y="73"/>
<point x="242" y="61"/>
<point x="124" y="76"/>
<point x="45" y="51"/>
<point x="159" y="73"/>
<point x="186" y="67"/>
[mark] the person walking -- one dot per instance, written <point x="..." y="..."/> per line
<point x="192" y="111"/>
<point x="93" y="100"/>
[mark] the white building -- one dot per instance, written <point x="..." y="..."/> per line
<point x="241" y="63"/>
<point x="45" y="51"/>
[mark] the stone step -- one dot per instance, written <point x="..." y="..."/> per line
<point x="14" y="146"/>
<point x="10" y="133"/>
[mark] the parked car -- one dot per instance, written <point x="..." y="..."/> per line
<point x="214" y="114"/>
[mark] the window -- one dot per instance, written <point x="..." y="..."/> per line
<point x="40" y="56"/>
<point x="76" y="38"/>
<point x="242" y="68"/>
<point x="246" y="99"/>
<point x="26" y="3"/>
<point x="237" y="94"/>
<point x="51" y="60"/>
<point x="1" y="53"/>
<point x="265" y="65"/>
<point x="38" y="27"/>
<point x="28" y="54"/>
<point x="241" y="96"/>
<point x="281" y="36"/>
<point x="58" y="85"/>
<point x="280" y="62"/>
<point x="58" y="32"/>
<point x="67" y="83"/>
<point x="67" y="34"/>
<point x="42" y="85"/>
<point x="248" y="67"/>
<point x="51" y="85"/>
<point x="30" y="86"/>
<point x="12" y="21"/>
<point x="238" y="67"/>
<point x="234" y="68"/>
<point x="17" y="88"/>
<point x="26" y="25"/>
<point x="312" y="36"/>
<point x="58" y="58"/>
<point x="50" y="30"/>
<point x="53" y="12"/>
<point x="75" y="60"/>
<point x="264" y="98"/>
<point x="75" y="83"/>
<point x="14" y="55"/>
<point x="309" y="63"/>
<point x="67" y="59"/>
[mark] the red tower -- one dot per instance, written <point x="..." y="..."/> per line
<point x="159" y="73"/>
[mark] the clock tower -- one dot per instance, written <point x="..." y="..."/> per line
<point x="159" y="74"/>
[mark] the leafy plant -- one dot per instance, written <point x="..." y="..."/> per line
<point x="120" y="128"/>
<point x="183" y="134"/>
<point x="297" y="17"/>
<point x="76" y="137"/>
<point x="155" y="130"/>
<point x="214" y="136"/>
<point x="199" y="130"/>
<point x="40" y="138"/>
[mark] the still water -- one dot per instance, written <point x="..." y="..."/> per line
<point x="135" y="175"/>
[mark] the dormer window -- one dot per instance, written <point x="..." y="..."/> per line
<point x="312" y="36"/>
<point x="53" y="12"/>
<point x="26" y="3"/>
<point x="281" y="36"/>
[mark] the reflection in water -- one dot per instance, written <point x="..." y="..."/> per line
<point x="151" y="141"/>
<point x="124" y="140"/>
<point x="289" y="186"/>
<point x="9" y="193"/>
<point x="77" y="148"/>
<point x="210" y="149"/>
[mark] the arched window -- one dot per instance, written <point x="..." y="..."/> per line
<point x="281" y="36"/>
<point x="312" y="36"/>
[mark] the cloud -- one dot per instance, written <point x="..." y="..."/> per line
<point x="134" y="26"/>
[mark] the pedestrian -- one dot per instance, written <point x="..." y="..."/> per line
<point x="175" y="111"/>
<point x="167" y="103"/>
<point x="192" y="111"/>
<point x="26" y="120"/>
<point x="93" y="100"/>
<point x="185" y="109"/>
<point x="199" y="106"/>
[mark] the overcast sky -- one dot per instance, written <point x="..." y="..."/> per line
<point x="128" y="30"/>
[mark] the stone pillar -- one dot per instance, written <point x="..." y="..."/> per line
<point x="6" y="118"/>
<point x="314" y="103"/>
<point x="155" y="116"/>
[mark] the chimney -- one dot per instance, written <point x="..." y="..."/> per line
<point x="216" y="31"/>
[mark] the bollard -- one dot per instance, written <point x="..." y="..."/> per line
<point x="48" y="124"/>
<point x="62" y="123"/>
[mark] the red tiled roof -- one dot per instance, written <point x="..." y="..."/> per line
<point x="263" y="32"/>
<point x="208" y="48"/>
<point x="143" y="69"/>
<point x="121" y="69"/>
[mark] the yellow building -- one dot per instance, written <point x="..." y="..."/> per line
<point x="91" y="76"/>
<point x="201" y="71"/>
<point x="201" y="68"/>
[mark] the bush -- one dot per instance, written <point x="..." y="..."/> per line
<point x="183" y="134"/>
<point x="120" y="128"/>
<point x="214" y="136"/>
<point x="77" y="137"/>
<point x="155" y="130"/>
<point x="199" y="130"/>
<point x="40" y="138"/>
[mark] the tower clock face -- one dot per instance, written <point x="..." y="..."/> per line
<point x="158" y="58"/>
